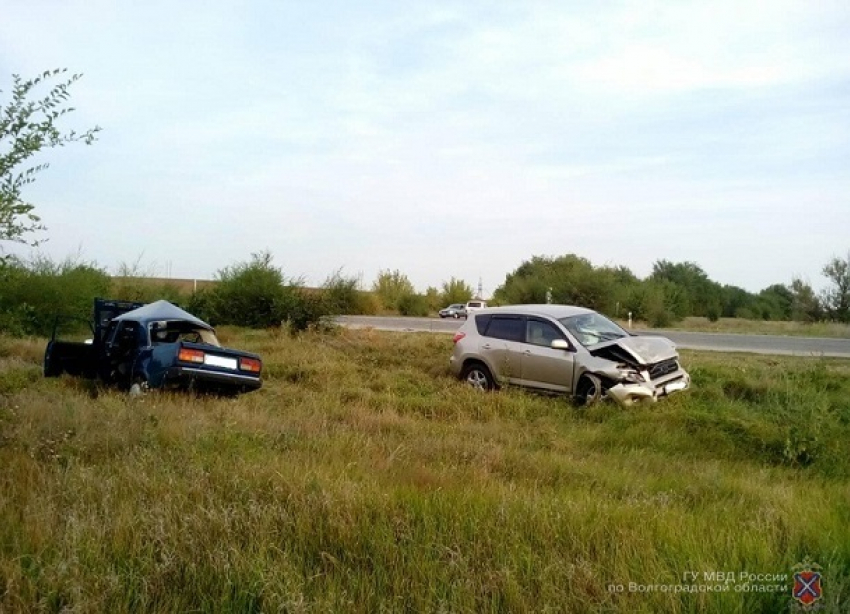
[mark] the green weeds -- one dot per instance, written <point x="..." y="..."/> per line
<point x="364" y="478"/>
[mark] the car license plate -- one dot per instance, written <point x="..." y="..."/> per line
<point x="220" y="361"/>
<point x="680" y="385"/>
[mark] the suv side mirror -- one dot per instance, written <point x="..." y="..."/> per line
<point x="559" y="344"/>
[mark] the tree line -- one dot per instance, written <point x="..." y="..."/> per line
<point x="254" y="293"/>
<point x="674" y="290"/>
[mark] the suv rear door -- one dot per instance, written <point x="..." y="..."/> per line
<point x="501" y="346"/>
<point x="543" y="366"/>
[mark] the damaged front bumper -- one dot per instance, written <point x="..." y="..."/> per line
<point x="627" y="394"/>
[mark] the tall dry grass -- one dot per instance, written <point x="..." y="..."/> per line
<point x="363" y="478"/>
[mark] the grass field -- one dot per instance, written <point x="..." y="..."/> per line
<point x="362" y="478"/>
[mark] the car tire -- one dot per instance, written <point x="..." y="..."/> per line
<point x="139" y="388"/>
<point x="50" y="368"/>
<point x="589" y="390"/>
<point x="478" y="376"/>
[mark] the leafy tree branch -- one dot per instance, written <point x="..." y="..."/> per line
<point x="28" y="125"/>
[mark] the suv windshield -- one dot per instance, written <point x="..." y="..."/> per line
<point x="592" y="328"/>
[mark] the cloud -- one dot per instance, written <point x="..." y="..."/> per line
<point x="449" y="138"/>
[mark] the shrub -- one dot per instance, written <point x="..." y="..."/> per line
<point x="434" y="300"/>
<point x="16" y="320"/>
<point x="367" y="303"/>
<point x="200" y="304"/>
<point x="659" y="317"/>
<point x="256" y="294"/>
<point x="341" y="294"/>
<point x="413" y="305"/>
<point x="390" y="287"/>
<point x="745" y="313"/>
<point x="36" y="291"/>
<point x="301" y="309"/>
<point x="135" y="283"/>
<point x="649" y="302"/>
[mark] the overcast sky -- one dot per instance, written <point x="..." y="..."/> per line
<point x="446" y="138"/>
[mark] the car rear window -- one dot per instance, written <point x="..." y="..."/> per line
<point x="481" y="323"/>
<point x="510" y="328"/>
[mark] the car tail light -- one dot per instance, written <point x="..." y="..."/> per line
<point x="190" y="355"/>
<point x="458" y="336"/>
<point x="250" y="364"/>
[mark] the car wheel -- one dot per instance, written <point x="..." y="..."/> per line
<point x="140" y="387"/>
<point x="50" y="368"/>
<point x="478" y="376"/>
<point x="589" y="390"/>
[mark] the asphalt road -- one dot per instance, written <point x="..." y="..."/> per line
<point x="719" y="342"/>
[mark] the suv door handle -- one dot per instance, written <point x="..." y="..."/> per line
<point x="486" y="346"/>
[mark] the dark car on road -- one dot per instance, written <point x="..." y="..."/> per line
<point x="455" y="310"/>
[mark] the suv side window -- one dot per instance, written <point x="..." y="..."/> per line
<point x="510" y="328"/>
<point x="541" y="332"/>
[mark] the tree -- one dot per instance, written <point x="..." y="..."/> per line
<point x="28" y="126"/>
<point x="776" y="302"/>
<point x="433" y="298"/>
<point x="699" y="295"/>
<point x="737" y="302"/>
<point x="836" y="299"/>
<point x="568" y="279"/>
<point x="391" y="287"/>
<point x="456" y="291"/>
<point x="805" y="306"/>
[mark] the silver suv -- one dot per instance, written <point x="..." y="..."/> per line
<point x="560" y="348"/>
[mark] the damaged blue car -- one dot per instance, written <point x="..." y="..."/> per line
<point x="153" y="346"/>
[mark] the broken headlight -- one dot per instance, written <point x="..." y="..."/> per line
<point x="629" y="375"/>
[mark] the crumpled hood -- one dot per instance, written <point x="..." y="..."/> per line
<point x="645" y="350"/>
